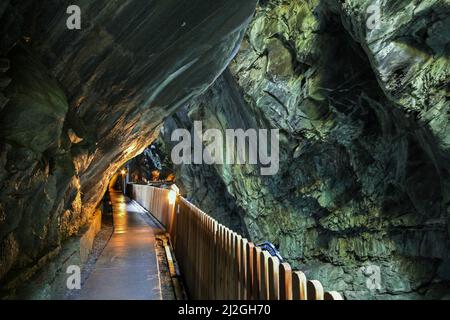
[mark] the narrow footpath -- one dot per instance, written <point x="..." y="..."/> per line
<point x="127" y="269"/>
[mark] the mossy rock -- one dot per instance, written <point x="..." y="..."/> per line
<point x="315" y="110"/>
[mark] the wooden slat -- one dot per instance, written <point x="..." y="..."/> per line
<point x="219" y="265"/>
<point x="243" y="269"/>
<point x="226" y="263"/>
<point x="249" y="268"/>
<point x="210" y="254"/>
<point x="314" y="290"/>
<point x="256" y="272"/>
<point x="232" y="271"/>
<point x="299" y="286"/>
<point x="200" y="255"/>
<point x="274" y="288"/>
<point x="264" y="269"/>
<point x="333" y="295"/>
<point x="285" y="281"/>
<point x="215" y="260"/>
<point x="238" y="265"/>
<point x="189" y="256"/>
<point x="230" y="264"/>
<point x="223" y="263"/>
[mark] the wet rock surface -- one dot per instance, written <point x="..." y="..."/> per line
<point x="362" y="190"/>
<point x="83" y="102"/>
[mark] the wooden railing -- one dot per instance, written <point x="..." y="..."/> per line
<point x="219" y="264"/>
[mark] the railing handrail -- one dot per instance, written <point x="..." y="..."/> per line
<point x="218" y="263"/>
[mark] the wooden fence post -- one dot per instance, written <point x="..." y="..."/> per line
<point x="285" y="281"/>
<point x="222" y="261"/>
<point x="274" y="289"/>
<point x="314" y="290"/>
<point x="299" y="286"/>
<point x="333" y="295"/>
<point x="237" y="266"/>
<point x="243" y="271"/>
<point x="256" y="288"/>
<point x="210" y="258"/>
<point x="215" y="279"/>
<point x="226" y="262"/>
<point x="264" y="269"/>
<point x="249" y="275"/>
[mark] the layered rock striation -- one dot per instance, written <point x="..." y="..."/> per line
<point x="361" y="200"/>
<point x="83" y="102"/>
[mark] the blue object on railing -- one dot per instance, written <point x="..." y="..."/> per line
<point x="270" y="247"/>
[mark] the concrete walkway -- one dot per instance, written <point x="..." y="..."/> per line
<point x="127" y="269"/>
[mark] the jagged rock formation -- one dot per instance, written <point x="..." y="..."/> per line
<point x="83" y="102"/>
<point x="364" y="151"/>
<point x="141" y="167"/>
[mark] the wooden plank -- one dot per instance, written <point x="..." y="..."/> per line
<point x="249" y="267"/>
<point x="238" y="266"/>
<point x="219" y="253"/>
<point x="285" y="281"/>
<point x="226" y="233"/>
<point x="243" y="270"/>
<point x="314" y="290"/>
<point x="234" y="267"/>
<point x="299" y="286"/>
<point x="184" y="236"/>
<point x="264" y="269"/>
<point x="224" y="263"/>
<point x="333" y="295"/>
<point x="189" y="252"/>
<point x="230" y="265"/>
<point x="226" y="284"/>
<point x="256" y="288"/>
<point x="199" y="253"/>
<point x="256" y="278"/>
<point x="214" y="259"/>
<point x="204" y="255"/>
<point x="191" y="256"/>
<point x="210" y="252"/>
<point x="274" y="288"/>
<point x="200" y="256"/>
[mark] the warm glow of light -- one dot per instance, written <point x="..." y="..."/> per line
<point x="175" y="188"/>
<point x="123" y="172"/>
<point x="172" y="197"/>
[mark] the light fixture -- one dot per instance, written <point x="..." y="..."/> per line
<point x="175" y="188"/>
<point x="172" y="197"/>
<point x="123" y="172"/>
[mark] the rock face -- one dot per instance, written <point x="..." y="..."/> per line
<point x="361" y="201"/>
<point x="140" y="168"/>
<point x="83" y="102"/>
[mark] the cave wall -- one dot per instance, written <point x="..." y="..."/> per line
<point x="364" y="174"/>
<point x="140" y="168"/>
<point x="78" y="104"/>
<point x="364" y="158"/>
